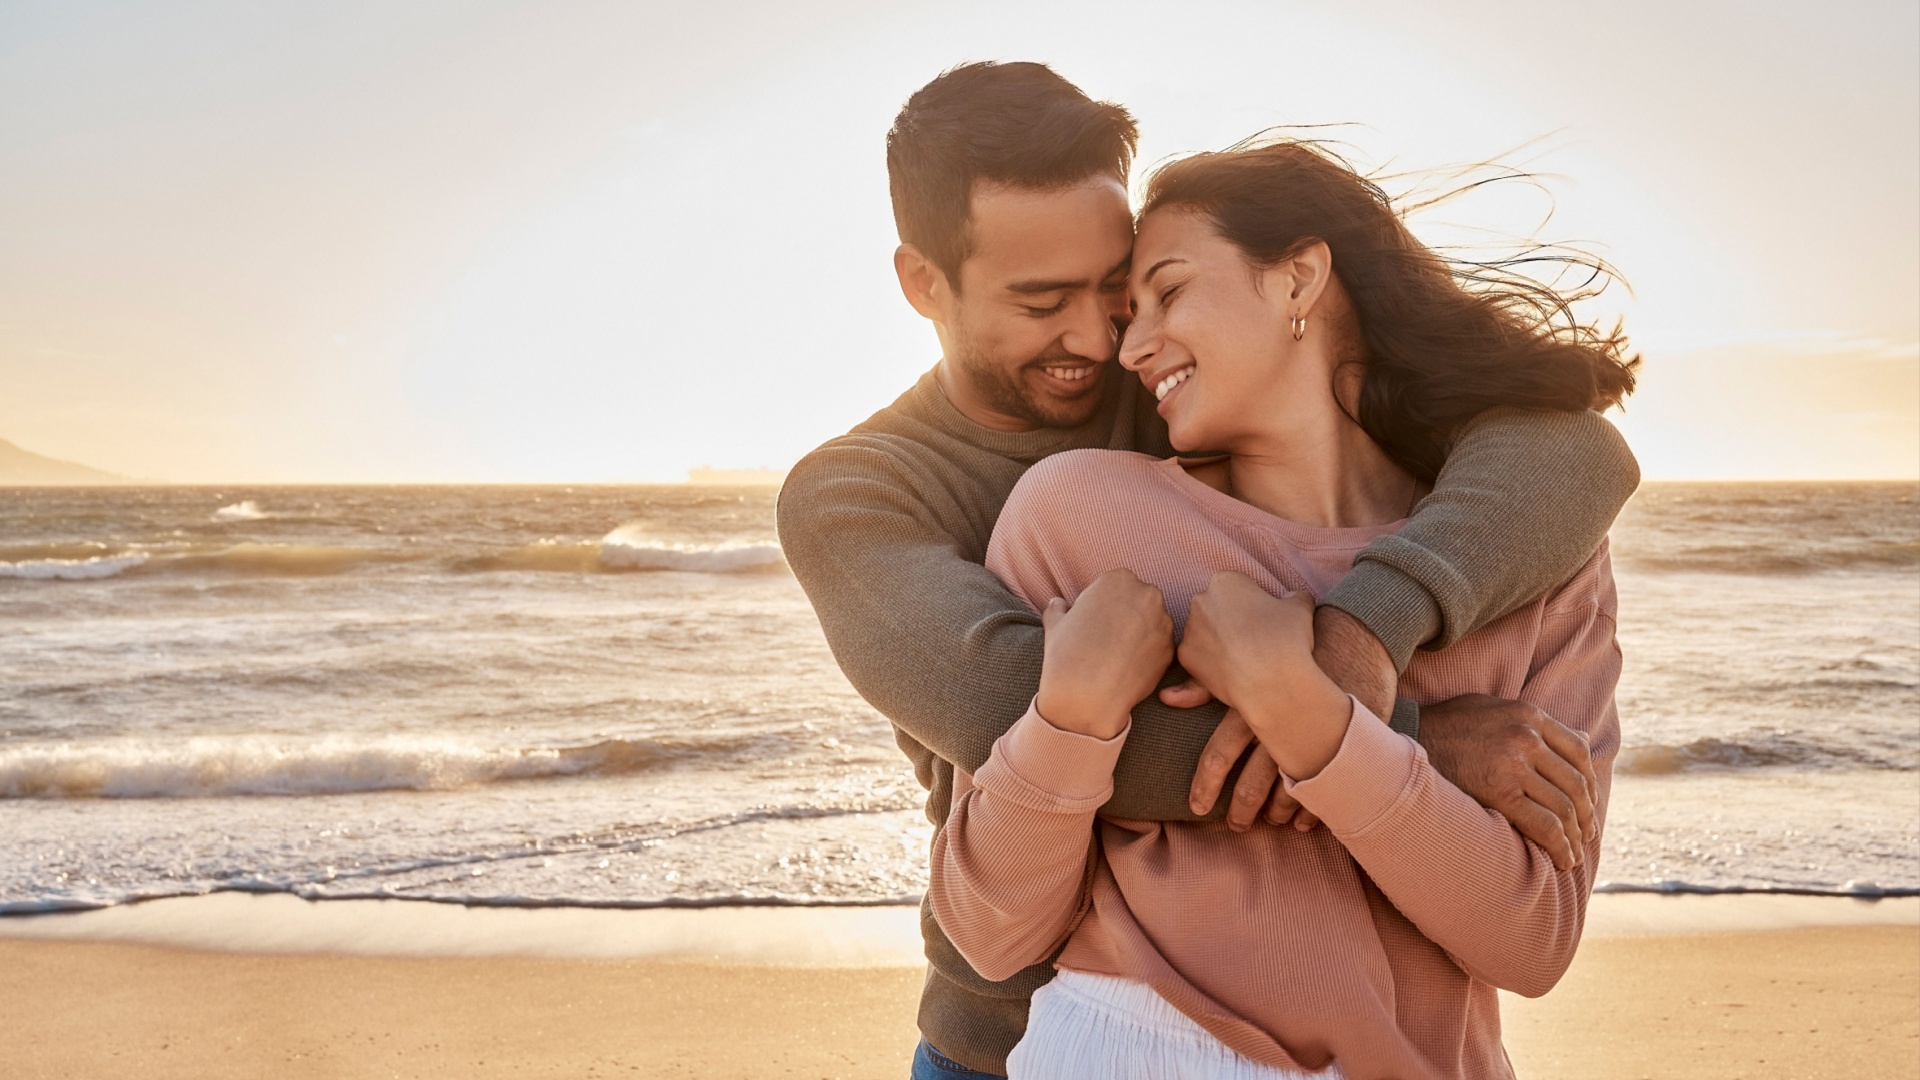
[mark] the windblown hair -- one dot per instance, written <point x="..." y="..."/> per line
<point x="1440" y="340"/>
<point x="1016" y="124"/>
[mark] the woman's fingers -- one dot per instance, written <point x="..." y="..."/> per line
<point x="1250" y="794"/>
<point x="1571" y="783"/>
<point x="1228" y="742"/>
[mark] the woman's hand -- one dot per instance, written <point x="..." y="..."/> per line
<point x="1255" y="652"/>
<point x="1105" y="653"/>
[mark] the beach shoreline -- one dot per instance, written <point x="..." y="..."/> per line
<point x="244" y="985"/>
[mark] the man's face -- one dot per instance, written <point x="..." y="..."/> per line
<point x="1042" y="299"/>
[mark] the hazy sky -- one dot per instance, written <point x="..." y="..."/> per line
<point x="597" y="241"/>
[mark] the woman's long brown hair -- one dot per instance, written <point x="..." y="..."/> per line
<point x="1444" y="341"/>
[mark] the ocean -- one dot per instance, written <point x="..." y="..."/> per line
<point x="618" y="696"/>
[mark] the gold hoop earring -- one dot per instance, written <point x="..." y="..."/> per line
<point x="1299" y="324"/>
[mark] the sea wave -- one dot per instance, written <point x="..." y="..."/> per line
<point x="1777" y="751"/>
<point x="1778" y="559"/>
<point x="87" y="569"/>
<point x="245" y="510"/>
<point x="262" y="765"/>
<point x="626" y="548"/>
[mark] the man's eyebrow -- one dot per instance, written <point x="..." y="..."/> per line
<point x="1029" y="288"/>
<point x="1155" y="268"/>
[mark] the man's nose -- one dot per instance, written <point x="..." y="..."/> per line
<point x="1092" y="333"/>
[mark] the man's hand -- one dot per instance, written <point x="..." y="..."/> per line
<point x="1104" y="654"/>
<point x="1515" y="759"/>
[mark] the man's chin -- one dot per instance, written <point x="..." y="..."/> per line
<point x="1063" y="410"/>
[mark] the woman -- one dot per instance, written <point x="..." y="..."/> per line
<point x="1286" y="319"/>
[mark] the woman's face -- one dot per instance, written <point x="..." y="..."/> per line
<point x="1210" y="337"/>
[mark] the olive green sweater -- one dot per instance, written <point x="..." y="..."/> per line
<point x="886" y="528"/>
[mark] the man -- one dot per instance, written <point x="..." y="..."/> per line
<point x="1009" y="193"/>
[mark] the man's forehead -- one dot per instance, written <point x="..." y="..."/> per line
<point x="1079" y="233"/>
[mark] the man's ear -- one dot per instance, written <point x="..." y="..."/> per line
<point x="922" y="282"/>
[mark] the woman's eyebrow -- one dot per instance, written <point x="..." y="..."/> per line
<point x="1155" y="268"/>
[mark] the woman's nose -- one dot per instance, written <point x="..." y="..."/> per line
<point x="1136" y="344"/>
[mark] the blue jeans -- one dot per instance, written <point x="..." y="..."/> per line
<point x="931" y="1064"/>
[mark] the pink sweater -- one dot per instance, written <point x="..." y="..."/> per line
<point x="1377" y="941"/>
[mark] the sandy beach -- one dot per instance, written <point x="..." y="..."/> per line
<point x="1710" y="987"/>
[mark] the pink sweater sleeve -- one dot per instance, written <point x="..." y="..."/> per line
<point x="1459" y="871"/>
<point x="1010" y="867"/>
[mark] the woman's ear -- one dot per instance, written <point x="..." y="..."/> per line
<point x="1299" y="282"/>
<point x="922" y="282"/>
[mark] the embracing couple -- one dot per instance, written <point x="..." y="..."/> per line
<point x="1237" y="583"/>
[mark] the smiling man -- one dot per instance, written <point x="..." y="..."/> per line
<point x="1009" y="193"/>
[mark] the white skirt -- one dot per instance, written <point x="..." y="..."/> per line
<point x="1097" y="1027"/>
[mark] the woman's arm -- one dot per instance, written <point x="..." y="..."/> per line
<point x="1011" y="865"/>
<point x="1460" y="872"/>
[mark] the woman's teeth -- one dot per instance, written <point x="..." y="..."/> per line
<point x="1167" y="384"/>
<point x="1070" y="374"/>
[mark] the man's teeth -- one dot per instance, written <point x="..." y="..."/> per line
<point x="1071" y="374"/>
<point x="1167" y="384"/>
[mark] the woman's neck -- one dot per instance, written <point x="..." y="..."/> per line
<point x="1325" y="472"/>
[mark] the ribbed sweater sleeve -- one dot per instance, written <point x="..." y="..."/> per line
<point x="932" y="639"/>
<point x="1523" y="500"/>
<point x="1459" y="871"/>
<point x="1003" y="884"/>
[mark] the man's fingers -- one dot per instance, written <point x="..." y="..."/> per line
<point x="1306" y="820"/>
<point x="1542" y="791"/>
<point x="1572" y="747"/>
<point x="1539" y="825"/>
<point x="1229" y="741"/>
<point x="1257" y="781"/>
<point x="1281" y="806"/>
<point x="1572" y="784"/>
<point x="1186" y="695"/>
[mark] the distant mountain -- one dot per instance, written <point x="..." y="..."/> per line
<point x="24" y="468"/>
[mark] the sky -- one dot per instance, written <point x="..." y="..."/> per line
<point x="416" y="240"/>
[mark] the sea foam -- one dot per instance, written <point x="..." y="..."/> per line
<point x="627" y="548"/>
<point x="262" y="765"/>
<point x="99" y="566"/>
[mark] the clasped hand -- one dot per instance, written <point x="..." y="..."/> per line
<point x="1108" y="649"/>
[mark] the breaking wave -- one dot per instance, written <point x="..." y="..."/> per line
<point x="626" y="549"/>
<point x="245" y="510"/>
<point x="263" y="765"/>
<point x="1759" y="753"/>
<point x="87" y="569"/>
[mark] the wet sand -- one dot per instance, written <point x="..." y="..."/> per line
<point x="1713" y="987"/>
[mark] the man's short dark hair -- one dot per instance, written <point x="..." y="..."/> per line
<point x="1017" y="124"/>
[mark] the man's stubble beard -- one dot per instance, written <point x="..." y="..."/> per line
<point x="1001" y="389"/>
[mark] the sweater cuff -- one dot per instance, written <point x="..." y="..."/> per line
<point x="1406" y="718"/>
<point x="1371" y="772"/>
<point x="1397" y="608"/>
<point x="1049" y="769"/>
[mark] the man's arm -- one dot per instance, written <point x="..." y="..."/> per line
<point x="1524" y="499"/>
<point x="934" y="641"/>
